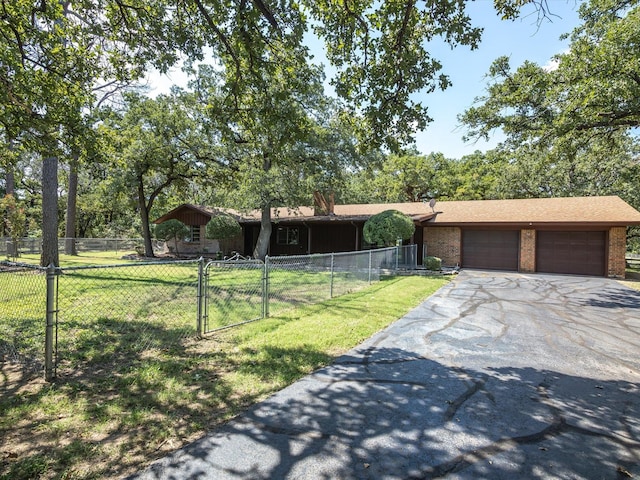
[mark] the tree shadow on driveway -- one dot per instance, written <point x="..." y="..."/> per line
<point x="616" y="297"/>
<point x="388" y="413"/>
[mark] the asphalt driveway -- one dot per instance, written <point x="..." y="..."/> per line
<point x="496" y="376"/>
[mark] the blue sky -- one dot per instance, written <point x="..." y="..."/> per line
<point x="522" y="39"/>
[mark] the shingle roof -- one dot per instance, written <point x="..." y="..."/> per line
<point x="418" y="211"/>
<point x="610" y="210"/>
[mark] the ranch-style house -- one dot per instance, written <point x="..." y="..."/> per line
<point x="572" y="235"/>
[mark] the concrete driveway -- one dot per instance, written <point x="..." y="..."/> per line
<point x="496" y="376"/>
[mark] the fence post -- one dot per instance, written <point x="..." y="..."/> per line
<point x="331" y="284"/>
<point x="370" y="257"/>
<point x="398" y="247"/>
<point x="49" y="364"/>
<point x="265" y="288"/>
<point x="200" y="297"/>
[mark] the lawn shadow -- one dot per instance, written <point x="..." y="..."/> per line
<point x="140" y="396"/>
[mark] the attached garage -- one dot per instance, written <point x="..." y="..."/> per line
<point x="572" y="235"/>
<point x="572" y="252"/>
<point x="490" y="249"/>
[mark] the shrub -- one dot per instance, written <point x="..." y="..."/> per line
<point x="171" y="230"/>
<point x="223" y="226"/>
<point x="433" y="263"/>
<point x="386" y="228"/>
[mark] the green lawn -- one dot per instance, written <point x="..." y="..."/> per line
<point x="83" y="258"/>
<point x="135" y="389"/>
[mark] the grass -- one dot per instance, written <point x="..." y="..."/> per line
<point x="96" y="308"/>
<point x="83" y="258"/>
<point x="130" y="400"/>
<point x="632" y="279"/>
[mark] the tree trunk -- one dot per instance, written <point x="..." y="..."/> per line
<point x="264" y="238"/>
<point x="70" y="226"/>
<point x="10" y="182"/>
<point x="10" y="189"/>
<point x="49" y="212"/>
<point x="144" y="218"/>
<point x="10" y="178"/>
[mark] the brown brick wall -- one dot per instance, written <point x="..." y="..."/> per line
<point x="527" y="251"/>
<point x="617" y="251"/>
<point x="444" y="242"/>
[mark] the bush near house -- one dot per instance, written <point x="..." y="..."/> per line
<point x="223" y="226"/>
<point x="386" y="228"/>
<point x="433" y="263"/>
<point x="171" y="230"/>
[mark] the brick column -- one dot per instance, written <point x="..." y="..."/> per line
<point x="617" y="251"/>
<point x="527" y="251"/>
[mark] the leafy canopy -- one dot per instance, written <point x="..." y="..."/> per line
<point x="593" y="89"/>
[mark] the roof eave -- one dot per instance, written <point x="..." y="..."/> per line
<point x="535" y="225"/>
<point x="171" y="214"/>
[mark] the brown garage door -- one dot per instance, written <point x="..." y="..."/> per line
<point x="579" y="253"/>
<point x="491" y="249"/>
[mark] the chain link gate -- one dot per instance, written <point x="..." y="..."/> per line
<point x="231" y="293"/>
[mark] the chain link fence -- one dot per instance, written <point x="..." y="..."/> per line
<point x="95" y="318"/>
<point x="239" y="292"/>
<point x="233" y="293"/>
<point x="114" y="314"/>
<point x="33" y="245"/>
<point x="23" y="293"/>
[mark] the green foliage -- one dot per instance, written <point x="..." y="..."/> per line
<point x="258" y="122"/>
<point x="386" y="228"/>
<point x="15" y="221"/>
<point x="433" y="263"/>
<point x="570" y="127"/>
<point x="223" y="226"/>
<point x="411" y="177"/>
<point x="592" y="90"/>
<point x="14" y="217"/>
<point x="171" y="230"/>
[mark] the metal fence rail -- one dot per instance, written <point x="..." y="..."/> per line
<point x="96" y="317"/>
<point x="238" y="292"/>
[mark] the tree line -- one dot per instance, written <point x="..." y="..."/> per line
<point x="85" y="152"/>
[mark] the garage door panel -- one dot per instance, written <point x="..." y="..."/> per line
<point x="491" y="249"/>
<point x="579" y="252"/>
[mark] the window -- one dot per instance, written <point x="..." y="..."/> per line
<point x="288" y="236"/>
<point x="194" y="233"/>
